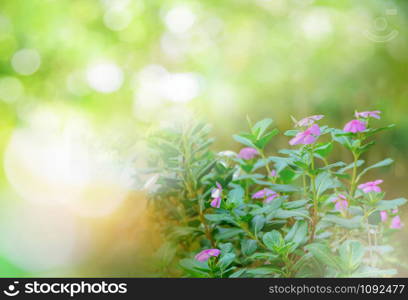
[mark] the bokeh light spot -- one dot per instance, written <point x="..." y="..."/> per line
<point x="11" y="89"/>
<point x="179" y="19"/>
<point x="26" y="61"/>
<point x="104" y="77"/>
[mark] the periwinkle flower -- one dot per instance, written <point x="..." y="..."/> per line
<point x="266" y="194"/>
<point x="371" y="186"/>
<point x="367" y="114"/>
<point x="307" y="137"/>
<point x="309" y="120"/>
<point x="206" y="254"/>
<point x="396" y="223"/>
<point x="355" y="126"/>
<point x="248" y="153"/>
<point x="216" y="194"/>
<point x="384" y="216"/>
<point x="341" y="202"/>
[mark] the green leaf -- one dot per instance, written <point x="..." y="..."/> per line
<point x="236" y="196"/>
<point x="166" y="253"/>
<point x="280" y="188"/>
<point x="264" y="256"/>
<point x="295" y="204"/>
<point x="280" y="163"/>
<point x="238" y="274"/>
<point x="325" y="181"/>
<point x="218" y="218"/>
<point x="243" y="140"/>
<point x="248" y="247"/>
<point x="390" y="204"/>
<point x="227" y="233"/>
<point x="323" y="254"/>
<point x="383" y="163"/>
<point x="260" y="127"/>
<point x="359" y="163"/>
<point x="263" y="141"/>
<point x="194" y="267"/>
<point x="351" y="254"/>
<point x="324" y="149"/>
<point x="291" y="132"/>
<point x="352" y="223"/>
<point x="225" y="247"/>
<point x="268" y="207"/>
<point x="374" y="218"/>
<point x="225" y="260"/>
<point x="273" y="239"/>
<point x="376" y="130"/>
<point x="257" y="223"/>
<point x="297" y="234"/>
<point x="285" y="214"/>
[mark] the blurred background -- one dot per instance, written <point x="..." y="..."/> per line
<point x="82" y="82"/>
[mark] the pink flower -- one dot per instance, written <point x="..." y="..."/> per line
<point x="270" y="198"/>
<point x="273" y="173"/>
<point x="396" y="223"/>
<point x="206" y="254"/>
<point x="384" y="215"/>
<point x="309" y="120"/>
<point x="341" y="202"/>
<point x="216" y="194"/>
<point x="266" y="193"/>
<point x="395" y="211"/>
<point x="355" y="126"/>
<point x="309" y="136"/>
<point x="371" y="186"/>
<point x="366" y="114"/>
<point x="248" y="153"/>
<point x="216" y="202"/>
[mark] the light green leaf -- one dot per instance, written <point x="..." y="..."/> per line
<point x="323" y="254"/>
<point x="359" y="163"/>
<point x="272" y="239"/>
<point x="258" y="223"/>
<point x="263" y="141"/>
<point x="236" y="196"/>
<point x="383" y="163"/>
<point x="351" y="254"/>
<point x="390" y="204"/>
<point x="325" y="181"/>
<point x="244" y="141"/>
<point x="352" y="223"/>
<point x="297" y="234"/>
<point x="260" y="127"/>
<point x="324" y="149"/>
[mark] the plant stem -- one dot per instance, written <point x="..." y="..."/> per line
<point x="207" y="230"/>
<point x="354" y="176"/>
<point x="261" y="152"/>
<point x="314" y="196"/>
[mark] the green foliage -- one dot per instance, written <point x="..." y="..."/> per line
<point x="276" y="215"/>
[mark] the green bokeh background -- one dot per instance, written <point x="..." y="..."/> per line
<point x="259" y="58"/>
